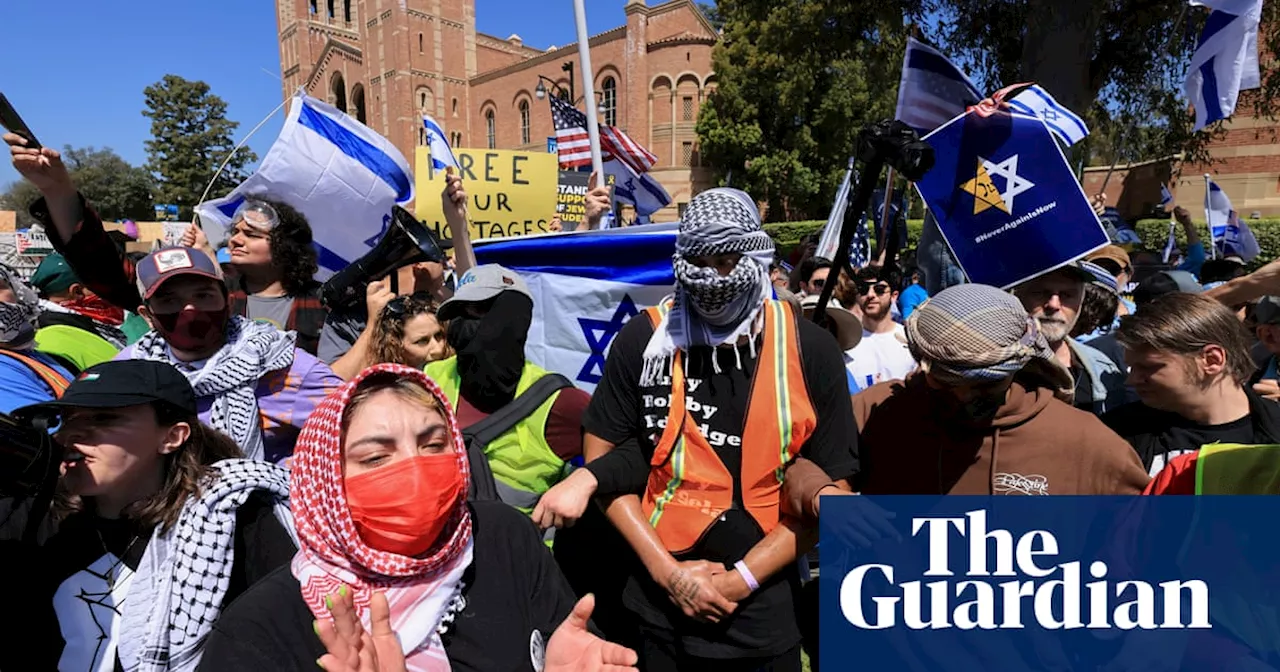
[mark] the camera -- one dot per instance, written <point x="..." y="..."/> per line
<point x="28" y="454"/>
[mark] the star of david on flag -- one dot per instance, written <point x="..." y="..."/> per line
<point x="587" y="286"/>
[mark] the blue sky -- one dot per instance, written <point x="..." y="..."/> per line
<point x="75" y="69"/>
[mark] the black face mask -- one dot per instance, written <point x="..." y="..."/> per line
<point x="491" y="350"/>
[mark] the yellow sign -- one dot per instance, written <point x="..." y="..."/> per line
<point x="510" y="193"/>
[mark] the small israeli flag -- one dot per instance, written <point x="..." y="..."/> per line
<point x="1034" y="101"/>
<point x="438" y="143"/>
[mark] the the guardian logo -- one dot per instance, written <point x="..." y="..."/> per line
<point x="1041" y="590"/>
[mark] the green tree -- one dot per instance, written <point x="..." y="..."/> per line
<point x="797" y="79"/>
<point x="191" y="136"/>
<point x="1120" y="62"/>
<point x="116" y="189"/>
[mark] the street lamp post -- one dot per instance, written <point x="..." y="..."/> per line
<point x="540" y="92"/>
<point x="568" y="67"/>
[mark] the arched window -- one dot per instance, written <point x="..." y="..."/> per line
<point x="313" y="7"/>
<point x="610" y="103"/>
<point x="524" y="122"/>
<point x="338" y="91"/>
<point x="455" y="107"/>
<point x="331" y="9"/>
<point x="419" y="43"/>
<point x="491" y="128"/>
<point x="346" y="10"/>
<point x="357" y="102"/>
<point x="457" y="139"/>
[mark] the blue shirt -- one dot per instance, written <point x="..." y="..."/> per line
<point x="910" y="298"/>
<point x="20" y="386"/>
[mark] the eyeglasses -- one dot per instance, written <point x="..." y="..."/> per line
<point x="818" y="282"/>
<point x="881" y="288"/>
<point x="257" y="214"/>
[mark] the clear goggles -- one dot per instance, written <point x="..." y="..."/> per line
<point x="256" y="214"/>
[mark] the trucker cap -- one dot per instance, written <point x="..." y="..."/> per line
<point x="171" y="262"/>
<point x="120" y="383"/>
<point x="482" y="283"/>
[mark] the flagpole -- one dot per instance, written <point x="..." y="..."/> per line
<point x="237" y="148"/>
<point x="588" y="87"/>
<point x="1208" y="218"/>
<point x="884" y="218"/>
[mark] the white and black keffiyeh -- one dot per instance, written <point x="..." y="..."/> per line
<point x="253" y="350"/>
<point x="709" y="309"/>
<point x="18" y="319"/>
<point x="181" y="582"/>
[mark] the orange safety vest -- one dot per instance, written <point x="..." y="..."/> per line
<point x="689" y="486"/>
<point x="46" y="373"/>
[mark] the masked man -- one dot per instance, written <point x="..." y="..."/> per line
<point x="528" y="431"/>
<point x="703" y="399"/>
<point x="27" y="376"/>
<point x="991" y="413"/>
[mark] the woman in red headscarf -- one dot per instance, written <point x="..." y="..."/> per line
<point x="378" y="489"/>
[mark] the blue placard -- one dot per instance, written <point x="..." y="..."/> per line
<point x="973" y="584"/>
<point x="553" y="145"/>
<point x="1006" y="200"/>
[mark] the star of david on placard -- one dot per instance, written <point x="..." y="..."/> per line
<point x="983" y="188"/>
<point x="599" y="334"/>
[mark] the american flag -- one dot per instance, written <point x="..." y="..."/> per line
<point x="932" y="90"/>
<point x="572" y="142"/>
<point x="574" y="145"/>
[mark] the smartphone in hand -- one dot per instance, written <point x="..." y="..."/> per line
<point x="10" y="120"/>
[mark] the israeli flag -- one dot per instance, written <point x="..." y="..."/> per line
<point x="1217" y="209"/>
<point x="640" y="190"/>
<point x="1169" y="244"/>
<point x="586" y="286"/>
<point x="1226" y="59"/>
<point x="1166" y="198"/>
<point x="1034" y="101"/>
<point x="438" y="144"/>
<point x="342" y="176"/>
<point x="829" y="243"/>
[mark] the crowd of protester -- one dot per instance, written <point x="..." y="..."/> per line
<point x="255" y="480"/>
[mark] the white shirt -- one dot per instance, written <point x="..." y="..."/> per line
<point x="880" y="357"/>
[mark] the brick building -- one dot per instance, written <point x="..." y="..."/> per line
<point x="386" y="62"/>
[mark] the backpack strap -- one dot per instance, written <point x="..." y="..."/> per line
<point x="46" y="373"/>
<point x="477" y="436"/>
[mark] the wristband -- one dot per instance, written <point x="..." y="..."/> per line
<point x="746" y="575"/>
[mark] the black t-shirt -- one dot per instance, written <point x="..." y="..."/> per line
<point x="632" y="417"/>
<point x="1160" y="436"/>
<point x="86" y="569"/>
<point x="513" y="590"/>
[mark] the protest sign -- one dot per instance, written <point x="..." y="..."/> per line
<point x="32" y="242"/>
<point x="571" y="203"/>
<point x="1092" y="583"/>
<point x="1006" y="200"/>
<point x="511" y="193"/>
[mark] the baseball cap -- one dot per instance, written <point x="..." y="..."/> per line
<point x="53" y="275"/>
<point x="1099" y="276"/>
<point x="171" y="262"/>
<point x="1166" y="282"/>
<point x="120" y="383"/>
<point x="479" y="284"/>
<point x="848" y="329"/>
<point x="1267" y="310"/>
<point x="1114" y="253"/>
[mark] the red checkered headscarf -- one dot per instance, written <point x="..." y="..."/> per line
<point x="332" y="553"/>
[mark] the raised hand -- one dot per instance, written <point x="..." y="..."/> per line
<point x="454" y="200"/>
<point x="573" y="648"/>
<point x="597" y="202"/>
<point x="351" y="648"/>
<point x="43" y="167"/>
<point x="376" y="297"/>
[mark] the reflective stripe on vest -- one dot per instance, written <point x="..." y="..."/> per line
<point x="689" y="486"/>
<point x="524" y="465"/>
<point x="46" y="373"/>
<point x="1238" y="469"/>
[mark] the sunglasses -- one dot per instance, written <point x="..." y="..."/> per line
<point x="881" y="288"/>
<point x="399" y="305"/>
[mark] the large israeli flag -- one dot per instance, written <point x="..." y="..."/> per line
<point x="586" y="286"/>
<point x="1036" y="102"/>
<point x="340" y="174"/>
<point x="1226" y="59"/>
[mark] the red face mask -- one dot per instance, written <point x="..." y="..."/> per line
<point x="192" y="329"/>
<point x="402" y="508"/>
